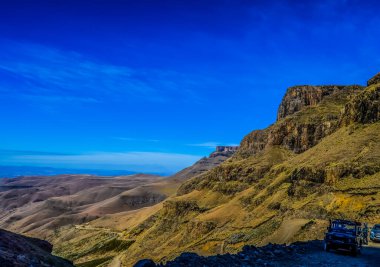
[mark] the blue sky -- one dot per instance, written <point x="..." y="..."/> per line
<point x="152" y="86"/>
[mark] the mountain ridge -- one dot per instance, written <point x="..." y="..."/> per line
<point x="320" y="159"/>
<point x="278" y="182"/>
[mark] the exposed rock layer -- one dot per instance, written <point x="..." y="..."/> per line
<point x="298" y="97"/>
<point x="364" y="108"/>
<point x="321" y="106"/>
<point x="374" y="80"/>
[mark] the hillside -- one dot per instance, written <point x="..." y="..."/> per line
<point x="21" y="251"/>
<point x="39" y="205"/>
<point x="102" y="240"/>
<point x="59" y="208"/>
<point x="320" y="160"/>
<point x="42" y="204"/>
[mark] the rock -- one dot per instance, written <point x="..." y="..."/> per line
<point x="180" y="207"/>
<point x="18" y="250"/>
<point x="145" y="263"/>
<point x="226" y="149"/>
<point x="269" y="255"/>
<point x="364" y="108"/>
<point x="247" y="249"/>
<point x="278" y="252"/>
<point x="298" y="97"/>
<point x="254" y="143"/>
<point x="375" y="79"/>
<point x="299" y="133"/>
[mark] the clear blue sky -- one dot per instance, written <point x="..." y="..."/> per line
<point x="154" y="85"/>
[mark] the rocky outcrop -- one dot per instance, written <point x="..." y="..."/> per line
<point x="306" y="115"/>
<point x="299" y="137"/>
<point x="253" y="143"/>
<point x="180" y="207"/>
<point x="19" y="251"/>
<point x="298" y="97"/>
<point x="374" y="80"/>
<point x="364" y="108"/>
<point x="269" y="255"/>
<point x="224" y="150"/>
<point x="140" y="201"/>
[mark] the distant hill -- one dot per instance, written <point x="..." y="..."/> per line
<point x="41" y="204"/>
<point x="59" y="207"/>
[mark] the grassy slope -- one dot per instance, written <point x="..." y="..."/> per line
<point x="262" y="199"/>
<point x="265" y="211"/>
<point x="274" y="196"/>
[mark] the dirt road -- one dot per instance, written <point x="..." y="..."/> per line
<point x="299" y="254"/>
<point x="370" y="256"/>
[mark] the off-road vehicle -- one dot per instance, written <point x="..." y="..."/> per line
<point x="344" y="235"/>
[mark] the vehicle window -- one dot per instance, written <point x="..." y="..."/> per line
<point x="377" y="227"/>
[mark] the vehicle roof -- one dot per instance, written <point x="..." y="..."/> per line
<point x="346" y="222"/>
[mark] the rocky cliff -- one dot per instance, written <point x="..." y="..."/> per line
<point x="365" y="107"/>
<point x="306" y="115"/>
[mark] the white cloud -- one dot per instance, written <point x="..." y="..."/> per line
<point x="52" y="74"/>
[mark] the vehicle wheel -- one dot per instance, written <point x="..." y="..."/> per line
<point x="326" y="246"/>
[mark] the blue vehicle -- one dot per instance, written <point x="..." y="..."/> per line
<point x="375" y="233"/>
<point x="344" y="235"/>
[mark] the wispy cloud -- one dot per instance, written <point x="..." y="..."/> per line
<point x="38" y="72"/>
<point x="147" y="162"/>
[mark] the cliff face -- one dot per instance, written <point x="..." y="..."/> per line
<point x="305" y="116"/>
<point x="298" y="97"/>
<point x="364" y="108"/>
